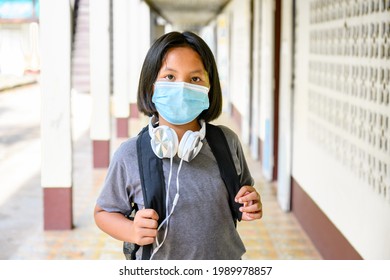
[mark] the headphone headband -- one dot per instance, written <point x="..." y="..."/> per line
<point x="164" y="141"/>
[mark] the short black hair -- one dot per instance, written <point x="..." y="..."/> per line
<point x="153" y="62"/>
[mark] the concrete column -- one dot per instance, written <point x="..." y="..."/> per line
<point x="285" y="108"/>
<point x="99" y="16"/>
<point x="55" y="82"/>
<point x="134" y="67"/>
<point x="121" y="66"/>
<point x="140" y="34"/>
<point x="267" y="87"/>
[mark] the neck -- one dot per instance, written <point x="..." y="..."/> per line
<point x="181" y="129"/>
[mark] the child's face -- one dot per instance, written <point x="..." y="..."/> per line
<point x="183" y="65"/>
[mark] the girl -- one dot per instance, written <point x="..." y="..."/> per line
<point x="179" y="89"/>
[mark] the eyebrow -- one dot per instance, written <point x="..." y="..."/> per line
<point x="192" y="72"/>
<point x="169" y="69"/>
<point x="198" y="71"/>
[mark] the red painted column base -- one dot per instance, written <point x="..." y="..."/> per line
<point x="101" y="153"/>
<point x="57" y="208"/>
<point x="134" y="113"/>
<point x="122" y="127"/>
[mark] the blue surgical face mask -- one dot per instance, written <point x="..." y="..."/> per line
<point x="179" y="102"/>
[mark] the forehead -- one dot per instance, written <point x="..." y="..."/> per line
<point x="183" y="56"/>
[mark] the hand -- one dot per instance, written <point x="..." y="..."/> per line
<point x="252" y="208"/>
<point x="144" y="229"/>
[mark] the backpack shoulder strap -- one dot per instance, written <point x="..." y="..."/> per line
<point x="220" y="148"/>
<point x="151" y="175"/>
<point x="152" y="180"/>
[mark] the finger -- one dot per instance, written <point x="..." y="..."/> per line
<point x="242" y="192"/>
<point x="250" y="196"/>
<point x="146" y="223"/>
<point x="148" y="213"/>
<point x="256" y="207"/>
<point x="146" y="241"/>
<point x="252" y="216"/>
<point x="148" y="233"/>
<point x="145" y="233"/>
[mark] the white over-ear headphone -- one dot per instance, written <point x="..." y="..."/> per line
<point x="165" y="143"/>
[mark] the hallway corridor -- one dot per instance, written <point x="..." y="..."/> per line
<point x="276" y="236"/>
<point x="305" y="85"/>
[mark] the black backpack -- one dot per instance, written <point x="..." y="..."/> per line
<point x="153" y="183"/>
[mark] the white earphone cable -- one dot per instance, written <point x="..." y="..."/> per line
<point x="168" y="213"/>
<point x="175" y="200"/>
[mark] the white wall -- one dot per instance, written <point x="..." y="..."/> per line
<point x="237" y="83"/>
<point x="239" y="16"/>
<point x="345" y="174"/>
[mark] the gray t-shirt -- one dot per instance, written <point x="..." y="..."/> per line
<point x="201" y="226"/>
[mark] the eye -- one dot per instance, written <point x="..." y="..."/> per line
<point x="195" y="79"/>
<point x="169" y="77"/>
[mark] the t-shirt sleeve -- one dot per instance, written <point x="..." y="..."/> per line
<point x="114" y="196"/>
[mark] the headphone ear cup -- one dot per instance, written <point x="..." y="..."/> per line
<point x="190" y="145"/>
<point x="164" y="142"/>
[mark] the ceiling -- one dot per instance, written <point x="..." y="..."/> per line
<point x="187" y="14"/>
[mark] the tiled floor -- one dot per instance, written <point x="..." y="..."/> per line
<point x="276" y="236"/>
